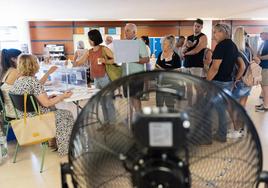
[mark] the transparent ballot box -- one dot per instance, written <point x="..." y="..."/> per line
<point x="65" y="78"/>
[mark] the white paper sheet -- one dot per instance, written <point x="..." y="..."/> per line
<point x="126" y="51"/>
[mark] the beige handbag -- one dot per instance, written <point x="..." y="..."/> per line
<point x="34" y="130"/>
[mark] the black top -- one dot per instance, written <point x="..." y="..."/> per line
<point x="226" y="51"/>
<point x="173" y="64"/>
<point x="264" y="63"/>
<point x="195" y="60"/>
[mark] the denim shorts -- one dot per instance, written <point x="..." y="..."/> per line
<point x="225" y="86"/>
<point x="241" y="90"/>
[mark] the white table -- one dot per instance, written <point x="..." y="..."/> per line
<point x="78" y="95"/>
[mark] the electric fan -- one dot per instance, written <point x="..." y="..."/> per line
<point x="177" y="138"/>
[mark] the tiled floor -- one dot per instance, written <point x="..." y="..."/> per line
<point x="25" y="173"/>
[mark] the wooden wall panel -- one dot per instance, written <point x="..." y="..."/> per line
<point x="157" y="31"/>
<point x="51" y="24"/>
<point x="186" y="31"/>
<point x="51" y="33"/>
<point x="250" y="23"/>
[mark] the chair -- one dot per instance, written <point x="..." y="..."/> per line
<point x="6" y="119"/>
<point x="31" y="106"/>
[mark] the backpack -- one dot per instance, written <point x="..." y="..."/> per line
<point x="252" y="76"/>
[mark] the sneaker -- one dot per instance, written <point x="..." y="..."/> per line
<point x="261" y="109"/>
<point x="235" y="134"/>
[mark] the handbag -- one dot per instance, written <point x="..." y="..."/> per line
<point x="113" y="71"/>
<point x="34" y="130"/>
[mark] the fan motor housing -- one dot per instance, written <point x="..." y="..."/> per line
<point x="164" y="135"/>
<point x="161" y="131"/>
<point x="160" y="170"/>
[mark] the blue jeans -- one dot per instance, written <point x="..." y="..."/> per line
<point x="222" y="108"/>
<point x="107" y="104"/>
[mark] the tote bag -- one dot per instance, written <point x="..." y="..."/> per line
<point x="34" y="130"/>
<point x="113" y="71"/>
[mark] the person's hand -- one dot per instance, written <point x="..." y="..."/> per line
<point x="189" y="44"/>
<point x="235" y="84"/>
<point x="52" y="96"/>
<point x="257" y="59"/>
<point x="52" y="69"/>
<point x="158" y="67"/>
<point x="67" y="94"/>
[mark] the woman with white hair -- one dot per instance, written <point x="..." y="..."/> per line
<point x="168" y="59"/>
<point x="80" y="51"/>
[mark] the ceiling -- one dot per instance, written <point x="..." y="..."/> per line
<point x="106" y="10"/>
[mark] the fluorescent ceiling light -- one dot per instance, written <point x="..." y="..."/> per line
<point x="137" y="19"/>
<point x="70" y="19"/>
<point x="259" y="18"/>
<point x="208" y="18"/>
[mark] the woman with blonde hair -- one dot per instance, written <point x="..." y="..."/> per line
<point x="241" y="91"/>
<point x="27" y="68"/>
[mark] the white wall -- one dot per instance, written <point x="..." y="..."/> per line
<point x="20" y="36"/>
<point x="207" y="29"/>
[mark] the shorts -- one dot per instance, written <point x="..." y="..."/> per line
<point x="241" y="90"/>
<point x="135" y="89"/>
<point x="225" y="86"/>
<point x="264" y="74"/>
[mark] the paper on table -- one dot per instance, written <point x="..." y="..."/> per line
<point x="49" y="93"/>
<point x="78" y="76"/>
<point x="126" y="51"/>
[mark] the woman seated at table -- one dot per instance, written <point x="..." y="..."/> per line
<point x="10" y="75"/>
<point x="27" y="68"/>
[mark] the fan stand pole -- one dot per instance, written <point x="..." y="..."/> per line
<point x="128" y="101"/>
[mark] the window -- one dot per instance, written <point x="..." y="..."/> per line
<point x="9" y="37"/>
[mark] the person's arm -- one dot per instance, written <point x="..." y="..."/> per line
<point x="12" y="76"/>
<point x="144" y="60"/>
<point x="49" y="72"/>
<point x="201" y="45"/>
<point x="241" y="68"/>
<point x="213" y="70"/>
<point x="82" y="60"/>
<point x="208" y="58"/>
<point x="45" y="101"/>
<point x="110" y="56"/>
<point x="75" y="56"/>
<point x="264" y="57"/>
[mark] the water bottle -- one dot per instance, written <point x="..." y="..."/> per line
<point x="3" y="147"/>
